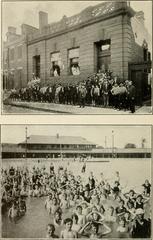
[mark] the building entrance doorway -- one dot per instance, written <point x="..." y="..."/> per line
<point x="139" y="74"/>
<point x="36" y="65"/>
<point x="103" y="55"/>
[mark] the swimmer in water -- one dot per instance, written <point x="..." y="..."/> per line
<point x="75" y="226"/>
<point x="147" y="188"/>
<point x="48" y="204"/>
<point x="81" y="217"/>
<point x="13" y="213"/>
<point x="68" y="232"/>
<point x="36" y="192"/>
<point x="91" y="230"/>
<point x="95" y="216"/>
<point x="50" y="229"/>
<point x="22" y="206"/>
<point x="109" y="215"/>
<point x="122" y="228"/>
<point x="58" y="219"/>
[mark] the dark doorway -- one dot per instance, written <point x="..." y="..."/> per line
<point x="103" y="50"/>
<point x="36" y="65"/>
<point x="139" y="73"/>
<point x="5" y="81"/>
<point x="136" y="77"/>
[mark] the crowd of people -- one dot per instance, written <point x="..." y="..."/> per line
<point x="76" y="208"/>
<point x="101" y="89"/>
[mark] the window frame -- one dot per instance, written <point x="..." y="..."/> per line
<point x="70" y="61"/>
<point x="52" y="64"/>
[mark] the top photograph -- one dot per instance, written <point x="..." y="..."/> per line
<point x="77" y="57"/>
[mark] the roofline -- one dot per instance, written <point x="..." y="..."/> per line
<point x="88" y="143"/>
<point x="117" y="12"/>
<point x="29" y="26"/>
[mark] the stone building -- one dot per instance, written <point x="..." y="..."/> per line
<point x="108" y="36"/>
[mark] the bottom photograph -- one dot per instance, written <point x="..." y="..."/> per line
<point x="76" y="181"/>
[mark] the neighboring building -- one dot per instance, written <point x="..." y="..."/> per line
<point x="15" y="61"/>
<point x="54" y="147"/>
<point x="108" y="36"/>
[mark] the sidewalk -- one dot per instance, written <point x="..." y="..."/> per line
<point x="70" y="109"/>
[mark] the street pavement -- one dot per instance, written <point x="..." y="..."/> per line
<point x="8" y="109"/>
<point x="54" y="108"/>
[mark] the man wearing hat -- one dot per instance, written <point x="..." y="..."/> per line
<point x="105" y="91"/>
<point x="141" y="227"/>
<point x="131" y="95"/>
<point x="82" y="95"/>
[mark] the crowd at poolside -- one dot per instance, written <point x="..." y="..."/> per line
<point x="90" y="209"/>
<point x="100" y="89"/>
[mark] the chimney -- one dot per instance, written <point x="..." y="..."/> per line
<point x="140" y="16"/>
<point x="11" y="33"/>
<point x="23" y="29"/>
<point x="43" y="19"/>
<point x="11" y="30"/>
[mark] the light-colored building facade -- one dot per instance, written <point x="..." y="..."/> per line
<point x="108" y="36"/>
<point x="54" y="147"/>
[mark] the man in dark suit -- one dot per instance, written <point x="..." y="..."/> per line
<point x="131" y="94"/>
<point x="105" y="91"/>
<point x="82" y="95"/>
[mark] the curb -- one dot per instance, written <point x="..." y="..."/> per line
<point x="37" y="108"/>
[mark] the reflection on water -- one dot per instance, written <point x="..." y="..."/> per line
<point x="133" y="173"/>
<point x="33" y="224"/>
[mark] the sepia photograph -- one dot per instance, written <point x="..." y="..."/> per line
<point x="76" y="181"/>
<point x="76" y="57"/>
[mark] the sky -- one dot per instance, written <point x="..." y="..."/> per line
<point x="16" y="13"/>
<point x="95" y="134"/>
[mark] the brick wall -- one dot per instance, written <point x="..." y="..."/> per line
<point x="139" y="33"/>
<point x="12" y="67"/>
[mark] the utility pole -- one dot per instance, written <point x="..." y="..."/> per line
<point x="105" y="142"/>
<point x="61" y="151"/>
<point x="60" y="145"/>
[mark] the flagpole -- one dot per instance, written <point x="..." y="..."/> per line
<point x="105" y="142"/>
<point x="61" y="151"/>
<point x="60" y="145"/>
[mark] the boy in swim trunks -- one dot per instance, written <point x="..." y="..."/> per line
<point x="68" y="232"/>
<point x="50" y="231"/>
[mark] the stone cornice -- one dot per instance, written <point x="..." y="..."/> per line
<point x="129" y="11"/>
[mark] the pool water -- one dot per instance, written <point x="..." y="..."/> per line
<point x="33" y="225"/>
